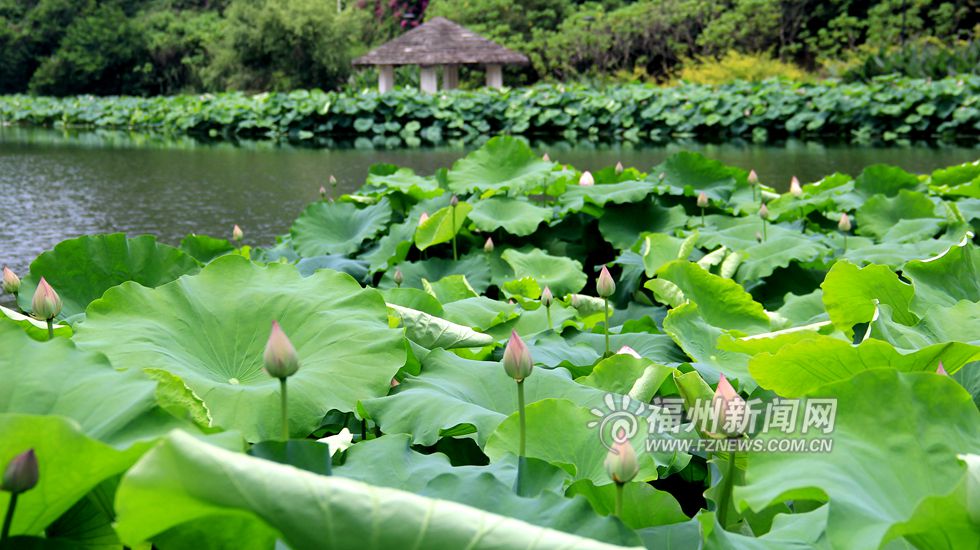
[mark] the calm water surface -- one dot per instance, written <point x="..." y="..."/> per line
<point x="55" y="186"/>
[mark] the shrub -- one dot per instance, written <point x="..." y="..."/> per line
<point x="738" y="66"/>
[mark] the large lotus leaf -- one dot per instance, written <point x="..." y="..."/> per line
<point x="618" y="373"/>
<point x="562" y="275"/>
<point x="576" y="196"/>
<point x="458" y="397"/>
<point x="687" y="173"/>
<point x="337" y="262"/>
<point x="337" y="227"/>
<point x="622" y="224"/>
<point x="433" y="332"/>
<point x="205" y="248"/>
<point x="55" y="378"/>
<point x="957" y="324"/>
<point x="658" y="347"/>
<point x="81" y="270"/>
<point x="909" y="215"/>
<point x="516" y="216"/>
<point x="851" y="294"/>
<point x="474" y="266"/>
<point x="441" y="226"/>
<point x="885" y="180"/>
<point x="70" y="464"/>
<point x="924" y="418"/>
<point x="802" y="531"/>
<point x="659" y="249"/>
<point x="821" y="196"/>
<point x="450" y="289"/>
<point x="480" y="313"/>
<point x="34" y="328"/>
<point x="504" y="163"/>
<point x="723" y="302"/>
<point x="183" y="480"/>
<point x="799" y="368"/>
<point x="643" y="506"/>
<point x="211" y="330"/>
<point x="945" y="279"/>
<point x="406" y="181"/>
<point x="863" y="251"/>
<point x="566" y="434"/>
<point x="781" y="247"/>
<point x="699" y="339"/>
<point x="392" y="248"/>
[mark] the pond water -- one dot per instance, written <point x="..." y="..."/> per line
<point x="54" y="186"/>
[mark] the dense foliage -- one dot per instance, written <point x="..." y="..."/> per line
<point x="889" y="108"/>
<point x="152" y="420"/>
<point x="146" y="47"/>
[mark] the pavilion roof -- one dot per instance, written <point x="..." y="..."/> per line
<point x="439" y="41"/>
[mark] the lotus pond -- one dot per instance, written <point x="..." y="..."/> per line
<point x="513" y="353"/>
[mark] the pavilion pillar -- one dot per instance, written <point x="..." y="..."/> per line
<point x="495" y="76"/>
<point x="386" y="78"/>
<point x="450" y="77"/>
<point x="429" y="79"/>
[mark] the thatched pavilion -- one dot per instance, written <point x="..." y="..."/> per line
<point x="440" y="42"/>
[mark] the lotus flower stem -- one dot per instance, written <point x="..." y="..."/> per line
<point x="9" y="518"/>
<point x="702" y="217"/>
<point x="547" y="311"/>
<point x="50" y="329"/>
<point x="764" y="230"/>
<point x="363" y="429"/>
<point x="605" y="313"/>
<point x="452" y="209"/>
<point x="845" y="243"/>
<point x="523" y="418"/>
<point x="285" y="409"/>
<point x="619" y="500"/>
<point x="727" y="484"/>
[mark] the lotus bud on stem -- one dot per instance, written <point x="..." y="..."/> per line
<point x="764" y="214"/>
<point x="323" y="193"/>
<point x="546" y="299"/>
<point x="398" y="277"/>
<point x="518" y="365"/>
<point x="333" y="184"/>
<point x="619" y="168"/>
<point x="21" y="475"/>
<point x="237" y="234"/>
<point x="11" y="282"/>
<point x="281" y="362"/>
<point x="488" y="245"/>
<point x="586" y="179"/>
<point x="845" y="227"/>
<point x="702" y="204"/>
<point x="453" y="203"/>
<point x="621" y="466"/>
<point x="545" y="157"/>
<point x="753" y="182"/>
<point x="728" y="401"/>
<point x="46" y="305"/>
<point x="605" y="287"/>
<point x="941" y="370"/>
<point x="796" y="191"/>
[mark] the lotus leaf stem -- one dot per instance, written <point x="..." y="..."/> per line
<point x="9" y="518"/>
<point x="453" y="210"/>
<point x="727" y="484"/>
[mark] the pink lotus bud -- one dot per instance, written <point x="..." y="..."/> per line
<point x="545" y="157"/>
<point x="575" y="300"/>
<point x="398" y="277"/>
<point x="237" y="234"/>
<point x="941" y="370"/>
<point x="517" y="358"/>
<point x="621" y="463"/>
<point x="46" y="303"/>
<point x="845" y="223"/>
<point x="732" y="407"/>
<point x="546" y="297"/>
<point x="395" y="383"/>
<point x="280" y="355"/>
<point x="605" y="286"/>
<point x="11" y="282"/>
<point x="626" y="350"/>
<point x="423" y="218"/>
<point x="764" y="211"/>
<point x="333" y="181"/>
<point x="454" y="201"/>
<point x="586" y="179"/>
<point x="702" y="200"/>
<point x="794" y="187"/>
<point x="323" y="192"/>
<point x="21" y="474"/>
<point x="619" y="168"/>
<point x="753" y="178"/>
<point x="488" y="245"/>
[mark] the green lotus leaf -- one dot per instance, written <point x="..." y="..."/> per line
<point x="337" y="262"/>
<point x="211" y="330"/>
<point x="802" y="310"/>
<point x="955" y="324"/>
<point x="800" y="531"/>
<point x="337" y="227"/>
<point x="963" y="179"/>
<point x="885" y="180"/>
<point x="688" y="174"/>
<point x="799" y="368"/>
<point x="414" y="298"/>
<point x="474" y="266"/>
<point x="204" y="248"/>
<point x="863" y="251"/>
<point x="392" y="248"/>
<point x="432" y="332"/>
<point x="722" y="302"/>
<point x="450" y="288"/>
<point x="618" y="374"/>
<point x="945" y="279"/>
<point x="563" y="275"/>
<point x="517" y="217"/>
<point x="908" y="215"/>
<point x="81" y="270"/>
<point x="851" y="294"/>
<point x="658" y="249"/>
<point x="503" y="164"/>
<point x="621" y="224"/>
<point x="643" y="506"/>
<point x="700" y="340"/>
<point x="575" y="197"/>
<point x="439" y="228"/>
<point x="822" y="196"/>
<point x="34" y="328"/>
<point x="566" y="434"/>
<point x="70" y="464"/>
<point x="480" y="313"/>
<point x="868" y="491"/>
<point x="406" y="181"/>
<point x="183" y="480"/>
<point x="456" y="397"/>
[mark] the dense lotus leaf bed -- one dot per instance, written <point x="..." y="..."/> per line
<point x="154" y="422"/>
<point x="890" y="108"/>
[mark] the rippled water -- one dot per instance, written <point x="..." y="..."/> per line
<point x="55" y="186"/>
